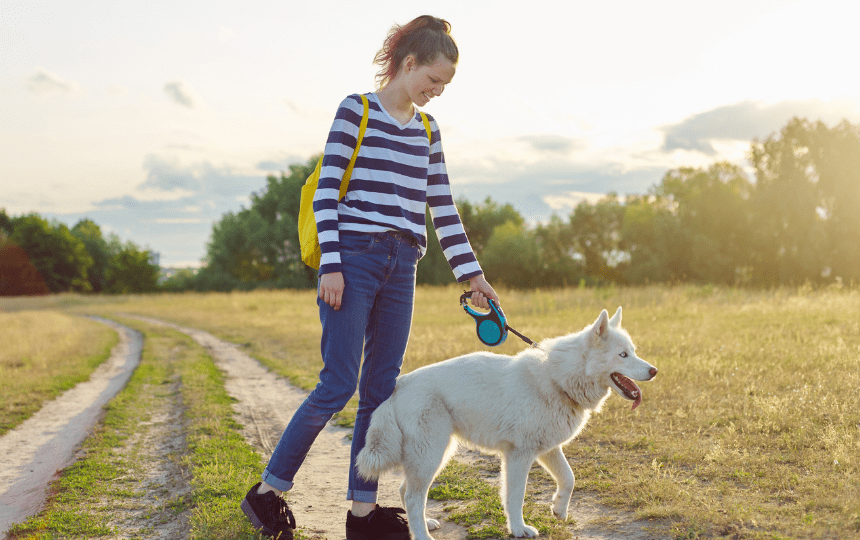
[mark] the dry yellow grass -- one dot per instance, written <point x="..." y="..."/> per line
<point x="42" y="354"/>
<point x="751" y="429"/>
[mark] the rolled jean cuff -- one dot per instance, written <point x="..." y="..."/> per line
<point x="275" y="482"/>
<point x="361" y="496"/>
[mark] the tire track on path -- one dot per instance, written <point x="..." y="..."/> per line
<point x="32" y="453"/>
<point x="265" y="402"/>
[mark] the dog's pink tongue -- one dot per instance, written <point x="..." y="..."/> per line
<point x="637" y="401"/>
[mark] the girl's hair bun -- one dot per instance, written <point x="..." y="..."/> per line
<point x="425" y="37"/>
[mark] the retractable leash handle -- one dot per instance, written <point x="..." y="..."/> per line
<point x="492" y="327"/>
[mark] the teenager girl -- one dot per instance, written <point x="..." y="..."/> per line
<point x="371" y="241"/>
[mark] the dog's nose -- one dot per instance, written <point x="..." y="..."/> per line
<point x="653" y="372"/>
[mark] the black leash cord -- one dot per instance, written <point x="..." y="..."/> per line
<point x="522" y="337"/>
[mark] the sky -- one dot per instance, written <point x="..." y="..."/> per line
<point x="155" y="118"/>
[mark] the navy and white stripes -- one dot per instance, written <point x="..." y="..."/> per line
<point x="396" y="174"/>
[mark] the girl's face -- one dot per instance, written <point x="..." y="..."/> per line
<point x="424" y="82"/>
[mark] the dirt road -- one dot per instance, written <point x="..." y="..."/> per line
<point x="32" y="453"/>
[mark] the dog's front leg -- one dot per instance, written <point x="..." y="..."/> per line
<point x="557" y="466"/>
<point x="432" y="524"/>
<point x="515" y="472"/>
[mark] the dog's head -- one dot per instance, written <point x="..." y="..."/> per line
<point x="614" y="358"/>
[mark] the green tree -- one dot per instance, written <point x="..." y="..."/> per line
<point x="59" y="257"/>
<point x="511" y="256"/>
<point x="235" y="253"/>
<point x="433" y="268"/>
<point x="5" y="224"/>
<point x="711" y="209"/>
<point x="596" y="237"/>
<point x="647" y="223"/>
<point x="131" y="269"/>
<point x="259" y="246"/>
<point x="184" y="279"/>
<point x="559" y="263"/>
<point x="481" y="220"/>
<point x="789" y="207"/>
<point x="90" y="234"/>
<point x="18" y="276"/>
<point x="276" y="238"/>
<point x="835" y="154"/>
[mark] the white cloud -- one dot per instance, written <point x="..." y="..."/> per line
<point x="749" y="119"/>
<point x="154" y="194"/>
<point x="182" y="94"/>
<point x="554" y="144"/>
<point x="167" y="174"/>
<point x="45" y="82"/>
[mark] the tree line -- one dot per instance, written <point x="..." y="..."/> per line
<point x="38" y="256"/>
<point x="797" y="221"/>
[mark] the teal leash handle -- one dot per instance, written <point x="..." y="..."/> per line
<point x="492" y="327"/>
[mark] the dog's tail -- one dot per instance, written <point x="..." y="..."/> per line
<point x="383" y="445"/>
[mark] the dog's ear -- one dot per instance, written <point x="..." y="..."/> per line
<point x="601" y="325"/>
<point x="616" y="319"/>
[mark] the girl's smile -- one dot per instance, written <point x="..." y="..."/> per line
<point x="424" y="82"/>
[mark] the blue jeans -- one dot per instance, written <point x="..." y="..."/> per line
<point x="376" y="315"/>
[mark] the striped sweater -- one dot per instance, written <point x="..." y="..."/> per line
<point x="397" y="173"/>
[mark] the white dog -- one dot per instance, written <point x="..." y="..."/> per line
<point x="523" y="408"/>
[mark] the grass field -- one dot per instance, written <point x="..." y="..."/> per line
<point x="751" y="429"/>
<point x="43" y="353"/>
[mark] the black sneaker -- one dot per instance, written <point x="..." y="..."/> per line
<point x="381" y="524"/>
<point x="269" y="514"/>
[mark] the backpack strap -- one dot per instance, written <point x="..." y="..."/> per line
<point x="344" y="183"/>
<point x="426" y="126"/>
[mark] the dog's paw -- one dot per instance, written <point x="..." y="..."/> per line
<point x="525" y="532"/>
<point x="432" y="524"/>
<point x="559" y="507"/>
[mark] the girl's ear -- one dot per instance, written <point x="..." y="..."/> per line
<point x="409" y="63"/>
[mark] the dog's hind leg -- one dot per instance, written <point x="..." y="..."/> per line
<point x="515" y="474"/>
<point x="422" y="461"/>
<point x="432" y="524"/>
<point x="557" y="466"/>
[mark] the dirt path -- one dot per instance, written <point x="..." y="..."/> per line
<point x="32" y="453"/>
<point x="265" y="404"/>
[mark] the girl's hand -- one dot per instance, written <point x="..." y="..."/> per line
<point x="482" y="291"/>
<point x="331" y="289"/>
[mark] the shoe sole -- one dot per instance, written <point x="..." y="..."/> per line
<point x="255" y="521"/>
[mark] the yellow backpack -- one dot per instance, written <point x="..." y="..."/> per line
<point x="308" y="238"/>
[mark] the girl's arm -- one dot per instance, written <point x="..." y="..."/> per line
<point x="339" y="147"/>
<point x="449" y="227"/>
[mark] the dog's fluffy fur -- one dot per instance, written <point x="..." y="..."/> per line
<point x="523" y="408"/>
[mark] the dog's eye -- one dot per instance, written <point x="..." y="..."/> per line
<point x="623" y="355"/>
